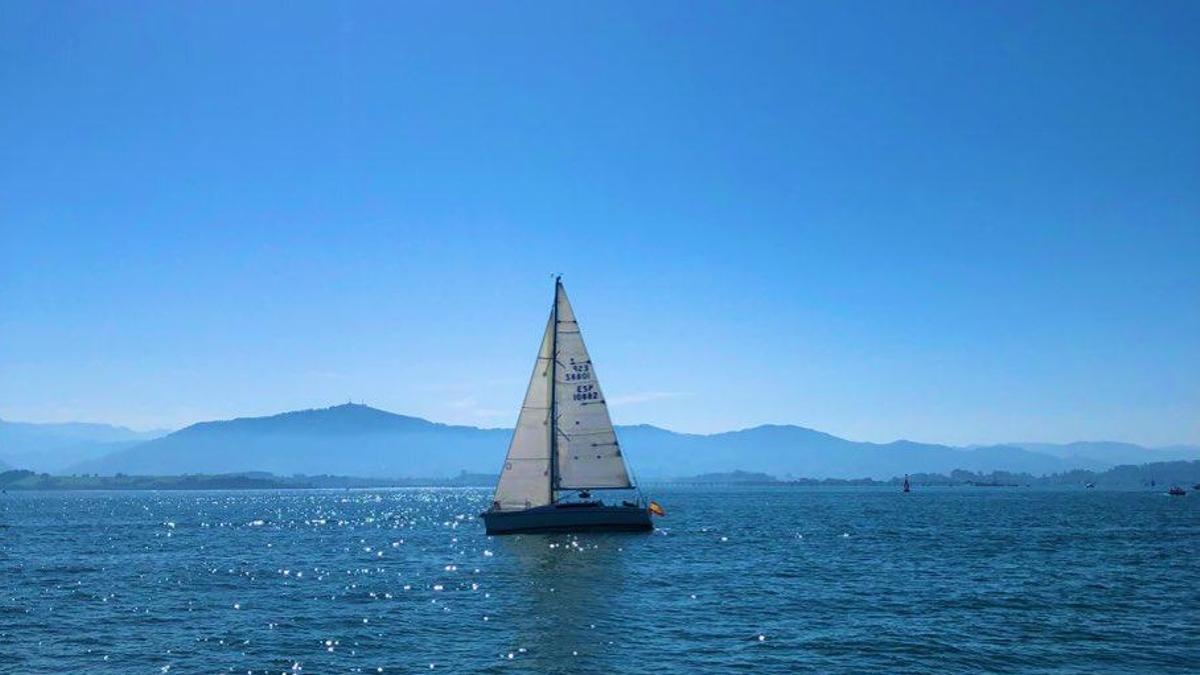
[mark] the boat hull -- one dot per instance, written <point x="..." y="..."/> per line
<point x="568" y="518"/>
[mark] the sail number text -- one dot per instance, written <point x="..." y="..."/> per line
<point x="585" y="392"/>
<point x="578" y="371"/>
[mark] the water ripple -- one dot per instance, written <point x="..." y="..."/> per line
<point x="747" y="579"/>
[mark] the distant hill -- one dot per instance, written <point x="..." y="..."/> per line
<point x="349" y="440"/>
<point x="785" y="451"/>
<point x="1113" y="453"/>
<point x="1157" y="476"/>
<point x="356" y="440"/>
<point x="54" y="447"/>
<point x="729" y="478"/>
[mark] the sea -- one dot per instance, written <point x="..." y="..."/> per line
<point x="734" y="579"/>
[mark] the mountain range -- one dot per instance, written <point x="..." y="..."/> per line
<point x="357" y="440"/>
<point x="56" y="447"/>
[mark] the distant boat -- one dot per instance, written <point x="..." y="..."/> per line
<point x="907" y="487"/>
<point x="1089" y="485"/>
<point x="564" y="446"/>
<point x="1177" y="491"/>
<point x="1196" y="486"/>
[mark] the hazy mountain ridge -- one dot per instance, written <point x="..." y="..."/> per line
<point x="347" y="439"/>
<point x="358" y="440"/>
<point x="784" y="450"/>
<point x="1113" y="452"/>
<point x="56" y="446"/>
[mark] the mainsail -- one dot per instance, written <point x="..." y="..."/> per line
<point x="588" y="453"/>
<point x="564" y="439"/>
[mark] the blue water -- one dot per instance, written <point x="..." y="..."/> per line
<point x="741" y="580"/>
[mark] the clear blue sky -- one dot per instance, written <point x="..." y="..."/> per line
<point x="945" y="221"/>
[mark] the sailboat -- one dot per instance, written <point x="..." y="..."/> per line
<point x="564" y="446"/>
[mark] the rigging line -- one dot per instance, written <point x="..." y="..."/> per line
<point x="593" y="445"/>
<point x="587" y="432"/>
<point x="629" y="472"/>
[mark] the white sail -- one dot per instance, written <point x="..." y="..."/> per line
<point x="564" y="415"/>
<point x="588" y="453"/>
<point x="525" y="478"/>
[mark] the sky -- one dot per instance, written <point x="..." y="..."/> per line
<point x="942" y="221"/>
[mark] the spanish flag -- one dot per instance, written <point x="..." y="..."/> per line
<point x="656" y="509"/>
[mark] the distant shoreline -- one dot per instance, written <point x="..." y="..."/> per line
<point x="19" y="480"/>
<point x="1154" y="476"/>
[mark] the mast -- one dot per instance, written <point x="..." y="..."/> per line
<point x="553" y="396"/>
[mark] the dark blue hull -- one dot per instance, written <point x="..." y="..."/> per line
<point x="569" y="518"/>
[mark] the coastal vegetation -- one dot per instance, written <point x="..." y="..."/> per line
<point x="1154" y="475"/>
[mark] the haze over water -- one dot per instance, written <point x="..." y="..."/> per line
<point x="741" y="579"/>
